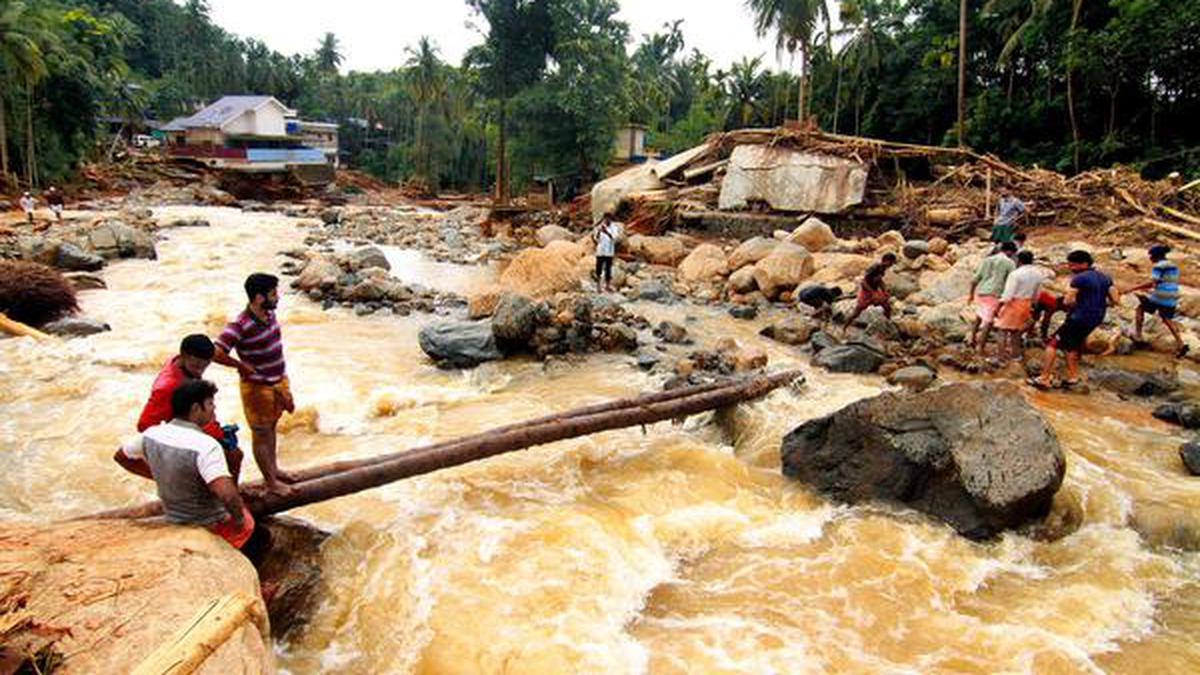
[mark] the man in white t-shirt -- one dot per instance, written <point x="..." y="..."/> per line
<point x="605" y="235"/>
<point x="27" y="205"/>
<point x="189" y="468"/>
<point x="1015" y="312"/>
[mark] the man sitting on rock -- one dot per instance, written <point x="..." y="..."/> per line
<point x="986" y="289"/>
<point x="195" y="354"/>
<point x="188" y="466"/>
<point x="1164" y="297"/>
<point x="872" y="292"/>
<point x="820" y="298"/>
<point x="1091" y="293"/>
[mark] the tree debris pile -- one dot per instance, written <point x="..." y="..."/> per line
<point x="920" y="189"/>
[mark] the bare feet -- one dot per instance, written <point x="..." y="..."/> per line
<point x="280" y="489"/>
<point x="286" y="476"/>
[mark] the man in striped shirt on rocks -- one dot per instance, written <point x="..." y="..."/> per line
<point x="256" y="337"/>
<point x="1163" y="298"/>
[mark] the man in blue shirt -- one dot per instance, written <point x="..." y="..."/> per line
<point x="1091" y="293"/>
<point x="1163" y="299"/>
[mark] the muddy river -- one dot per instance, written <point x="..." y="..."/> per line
<point x="678" y="550"/>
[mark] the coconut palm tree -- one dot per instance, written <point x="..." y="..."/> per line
<point x="427" y="86"/>
<point x="869" y="23"/>
<point x="329" y="55"/>
<point x="745" y="87"/>
<point x="796" y="24"/>
<point x="23" y="38"/>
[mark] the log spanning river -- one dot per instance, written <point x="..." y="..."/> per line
<point x="681" y="550"/>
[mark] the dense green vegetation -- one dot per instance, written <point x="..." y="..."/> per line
<point x="1064" y="83"/>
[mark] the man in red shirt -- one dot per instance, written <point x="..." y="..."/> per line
<point x="195" y="354"/>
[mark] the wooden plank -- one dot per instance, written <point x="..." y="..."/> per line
<point x="208" y="629"/>
<point x="693" y="174"/>
<point x="671" y="165"/>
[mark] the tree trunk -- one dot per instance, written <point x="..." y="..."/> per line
<point x="802" y="99"/>
<point x="502" y="156"/>
<point x="29" y="158"/>
<point x="3" y="142"/>
<point x="837" y="97"/>
<point x="962" y="71"/>
<point x="1078" y="5"/>
<point x="350" y="476"/>
<point x="427" y="460"/>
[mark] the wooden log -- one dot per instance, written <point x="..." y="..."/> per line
<point x="152" y="509"/>
<point x="1185" y="217"/>
<point x="426" y="460"/>
<point x="693" y="174"/>
<point x="210" y="628"/>
<point x="18" y="329"/>
<point x="948" y="216"/>
<point x="1174" y="229"/>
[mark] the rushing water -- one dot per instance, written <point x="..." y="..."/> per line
<point x="681" y="549"/>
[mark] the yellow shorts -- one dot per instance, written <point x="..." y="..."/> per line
<point x="264" y="404"/>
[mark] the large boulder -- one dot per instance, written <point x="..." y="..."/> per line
<point x="368" y="257"/>
<point x="839" y="268"/>
<point x="459" y="344"/>
<point x="76" y="326"/>
<point x="793" y="330"/>
<point x="515" y="319"/>
<point x="115" y="239"/>
<point x="751" y="251"/>
<point x="551" y="233"/>
<point x="318" y="274"/>
<point x="1130" y="383"/>
<point x="706" y="263"/>
<point x="655" y="290"/>
<point x="608" y="194"/>
<point x="854" y="357"/>
<point x="1190" y="454"/>
<point x="657" y="250"/>
<point x="742" y="281"/>
<point x="109" y="592"/>
<point x="976" y="456"/>
<point x="783" y="270"/>
<point x="789" y="180"/>
<point x="813" y="235"/>
<point x="535" y="273"/>
<point x="71" y="257"/>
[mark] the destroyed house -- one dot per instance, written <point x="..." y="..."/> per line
<point x="252" y="134"/>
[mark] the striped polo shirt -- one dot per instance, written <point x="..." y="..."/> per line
<point x="258" y="343"/>
<point x="1166" y="284"/>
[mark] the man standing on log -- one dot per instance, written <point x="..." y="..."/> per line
<point x="188" y="466"/>
<point x="256" y="336"/>
<point x="195" y="354"/>
<point x="1091" y="293"/>
<point x="1163" y="299"/>
<point x="872" y="292"/>
<point x="605" y="237"/>
<point x="986" y="289"/>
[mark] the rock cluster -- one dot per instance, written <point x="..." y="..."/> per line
<point x="455" y="236"/>
<point x="359" y="279"/>
<point x="568" y="323"/>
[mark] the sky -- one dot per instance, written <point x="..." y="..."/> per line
<point x="374" y="33"/>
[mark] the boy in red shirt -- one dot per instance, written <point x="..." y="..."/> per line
<point x="195" y="354"/>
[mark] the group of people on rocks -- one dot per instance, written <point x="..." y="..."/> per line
<point x="194" y="461"/>
<point x="54" y="200"/>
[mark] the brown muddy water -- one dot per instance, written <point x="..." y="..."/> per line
<point x="678" y="550"/>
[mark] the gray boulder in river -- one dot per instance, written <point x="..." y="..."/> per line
<point x="976" y="456"/>
<point x="459" y="344"/>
